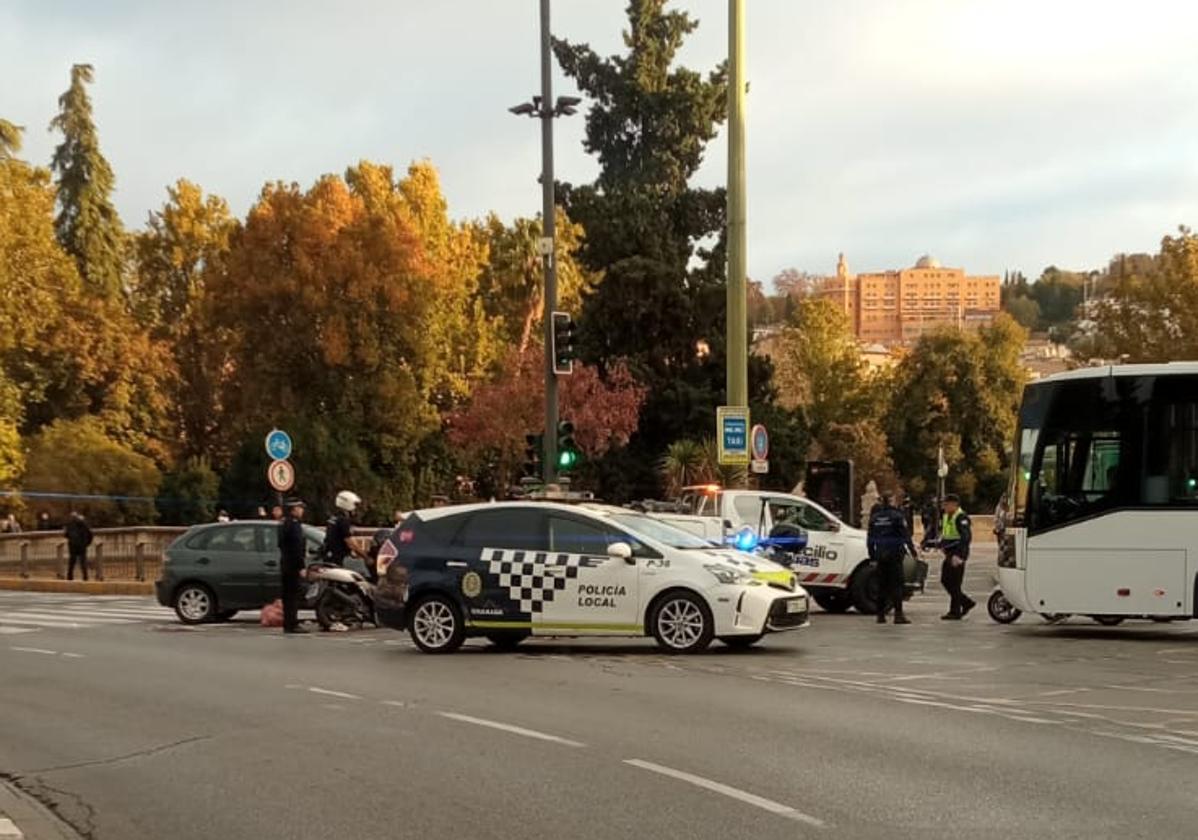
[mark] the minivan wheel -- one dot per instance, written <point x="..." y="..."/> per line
<point x="195" y="604"/>
<point x="682" y="623"/>
<point x="436" y="626"/>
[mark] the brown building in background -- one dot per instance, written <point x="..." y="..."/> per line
<point x="895" y="307"/>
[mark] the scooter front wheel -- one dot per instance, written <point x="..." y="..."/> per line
<point x="1002" y="610"/>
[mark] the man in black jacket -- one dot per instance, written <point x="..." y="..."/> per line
<point x="887" y="540"/>
<point x="292" y="552"/>
<point x="79" y="537"/>
<point x="954" y="538"/>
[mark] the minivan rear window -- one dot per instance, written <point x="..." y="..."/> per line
<point x="199" y="540"/>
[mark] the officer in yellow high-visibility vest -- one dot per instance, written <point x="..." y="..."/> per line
<point x="954" y="537"/>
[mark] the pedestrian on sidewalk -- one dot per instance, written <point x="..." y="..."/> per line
<point x="291" y="563"/>
<point x="954" y="539"/>
<point x="11" y="525"/>
<point x="79" y="537"/>
<point x="928" y="514"/>
<point x="888" y="540"/>
<point x="43" y="521"/>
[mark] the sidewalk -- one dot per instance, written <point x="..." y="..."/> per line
<point x="80" y="587"/>
<point x="23" y="818"/>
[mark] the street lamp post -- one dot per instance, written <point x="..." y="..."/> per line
<point x="541" y="108"/>
<point x="737" y="385"/>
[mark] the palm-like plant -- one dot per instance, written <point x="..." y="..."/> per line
<point x="688" y="462"/>
<point x="682" y="465"/>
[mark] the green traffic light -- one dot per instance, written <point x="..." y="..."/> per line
<point x="1192" y="483"/>
<point x="567" y="458"/>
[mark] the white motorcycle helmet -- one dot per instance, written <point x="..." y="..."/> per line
<point x="348" y="501"/>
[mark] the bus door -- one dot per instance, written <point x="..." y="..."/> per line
<point x="1088" y="554"/>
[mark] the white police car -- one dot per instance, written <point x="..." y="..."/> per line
<point x="508" y="571"/>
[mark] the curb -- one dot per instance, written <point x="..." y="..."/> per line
<point x="24" y="818"/>
<point x="79" y="587"/>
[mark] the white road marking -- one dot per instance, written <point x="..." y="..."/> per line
<point x="39" y="622"/>
<point x="9" y="830"/>
<point x="12" y="631"/>
<point x="330" y="693"/>
<point x="89" y="618"/>
<point x="735" y="793"/>
<point x="399" y="703"/>
<point x="162" y="614"/>
<point x="47" y="652"/>
<point x="515" y="730"/>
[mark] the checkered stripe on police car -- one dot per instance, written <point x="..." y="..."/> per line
<point x="532" y="577"/>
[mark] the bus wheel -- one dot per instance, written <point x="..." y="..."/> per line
<point x="1002" y="610"/>
<point x="1108" y="620"/>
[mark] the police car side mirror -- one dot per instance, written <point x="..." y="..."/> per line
<point x="622" y="551"/>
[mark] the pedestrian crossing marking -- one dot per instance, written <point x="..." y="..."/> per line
<point x="21" y="614"/>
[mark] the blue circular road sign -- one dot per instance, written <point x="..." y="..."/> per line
<point x="278" y="445"/>
<point x="759" y="441"/>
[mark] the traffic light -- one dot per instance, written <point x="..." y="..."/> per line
<point x="567" y="449"/>
<point x="563" y="343"/>
<point x="534" y="445"/>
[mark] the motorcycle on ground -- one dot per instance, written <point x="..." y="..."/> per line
<point x="1002" y="611"/>
<point x="343" y="598"/>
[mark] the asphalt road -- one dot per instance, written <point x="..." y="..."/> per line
<point x="133" y="727"/>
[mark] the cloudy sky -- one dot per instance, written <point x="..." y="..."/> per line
<point x="995" y="134"/>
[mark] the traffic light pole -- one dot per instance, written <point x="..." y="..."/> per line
<point x="549" y="462"/>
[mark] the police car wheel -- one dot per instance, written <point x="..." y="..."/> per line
<point x="742" y="641"/>
<point x="436" y="626"/>
<point x="864" y="589"/>
<point x="682" y="623"/>
<point x="833" y="600"/>
<point x="507" y="641"/>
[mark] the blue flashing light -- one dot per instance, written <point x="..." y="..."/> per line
<point x="746" y="540"/>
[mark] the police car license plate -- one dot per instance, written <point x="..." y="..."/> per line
<point x="795" y="605"/>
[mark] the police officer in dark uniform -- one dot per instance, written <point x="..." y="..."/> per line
<point x="887" y="541"/>
<point x="954" y="538"/>
<point x="292" y="551"/>
<point x="341" y="527"/>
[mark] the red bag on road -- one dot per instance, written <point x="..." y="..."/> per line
<point x="272" y="614"/>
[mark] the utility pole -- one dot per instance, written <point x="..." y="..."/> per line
<point x="737" y="327"/>
<point x="548" y="245"/>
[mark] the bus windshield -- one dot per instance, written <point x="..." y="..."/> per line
<point x="1091" y="445"/>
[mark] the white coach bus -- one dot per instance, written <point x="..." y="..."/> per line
<point x="1104" y="495"/>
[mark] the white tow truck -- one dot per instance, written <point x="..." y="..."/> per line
<point x="834" y="566"/>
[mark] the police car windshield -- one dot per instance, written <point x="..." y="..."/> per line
<point x="663" y="532"/>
